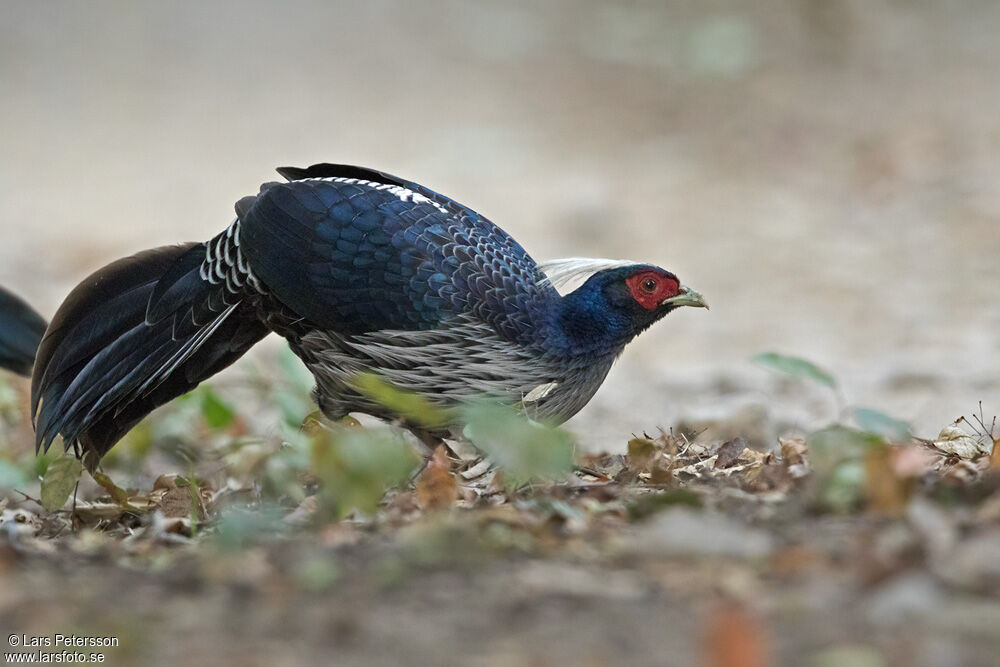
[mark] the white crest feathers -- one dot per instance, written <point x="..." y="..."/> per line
<point x="569" y="273"/>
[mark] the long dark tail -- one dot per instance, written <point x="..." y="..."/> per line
<point x="131" y="337"/>
<point x="21" y="329"/>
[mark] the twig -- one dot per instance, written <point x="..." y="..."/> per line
<point x="72" y="513"/>
<point x="590" y="471"/>
<point x="27" y="497"/>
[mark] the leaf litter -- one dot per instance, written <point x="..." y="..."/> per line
<point x="833" y="518"/>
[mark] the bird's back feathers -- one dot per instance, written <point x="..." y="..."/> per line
<point x="356" y="255"/>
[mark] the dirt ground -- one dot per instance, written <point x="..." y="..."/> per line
<point x="824" y="172"/>
<point x="675" y="554"/>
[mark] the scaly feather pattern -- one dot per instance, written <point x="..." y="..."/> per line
<point x="362" y="272"/>
<point x="355" y="255"/>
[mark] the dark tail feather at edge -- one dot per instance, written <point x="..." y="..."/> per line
<point x="103" y="365"/>
<point x="21" y="329"/>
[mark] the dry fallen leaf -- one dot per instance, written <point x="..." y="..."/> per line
<point x="730" y="452"/>
<point x="887" y="492"/>
<point x="662" y="471"/>
<point x="177" y="502"/>
<point x="640" y="453"/>
<point x="953" y="440"/>
<point x="437" y="487"/>
<point x="793" y="450"/>
<point x="165" y="482"/>
<point x="117" y="494"/>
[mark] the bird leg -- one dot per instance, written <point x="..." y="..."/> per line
<point x="429" y="442"/>
<point x="426" y="442"/>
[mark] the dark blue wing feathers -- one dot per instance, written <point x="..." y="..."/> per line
<point x="356" y="250"/>
<point x="178" y="287"/>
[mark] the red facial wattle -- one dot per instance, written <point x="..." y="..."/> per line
<point x="650" y="288"/>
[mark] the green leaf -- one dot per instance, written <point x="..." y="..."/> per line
<point x="117" y="493"/>
<point x="217" y="413"/>
<point x="411" y="407"/>
<point x="795" y="367"/>
<point x="357" y="467"/>
<point x="882" y="424"/>
<point x="40" y="464"/>
<point x="524" y="450"/>
<point x="835" y="444"/>
<point x="837" y="455"/>
<point x="844" y="490"/>
<point x="59" y="481"/>
<point x="239" y="528"/>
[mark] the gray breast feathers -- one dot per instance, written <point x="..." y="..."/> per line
<point x="462" y="360"/>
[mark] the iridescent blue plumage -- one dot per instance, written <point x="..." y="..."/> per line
<point x="362" y="272"/>
<point x="355" y="258"/>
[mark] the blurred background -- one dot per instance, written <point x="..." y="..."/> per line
<point x="824" y="171"/>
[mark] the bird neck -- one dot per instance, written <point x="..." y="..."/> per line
<point x="585" y="326"/>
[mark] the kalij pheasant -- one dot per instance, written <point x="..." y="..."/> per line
<point x="360" y="271"/>
<point x="21" y="329"/>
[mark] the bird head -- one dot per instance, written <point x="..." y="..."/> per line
<point x="617" y="303"/>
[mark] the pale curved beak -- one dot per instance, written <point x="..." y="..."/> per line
<point x="686" y="297"/>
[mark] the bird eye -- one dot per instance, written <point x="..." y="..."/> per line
<point x="649" y="285"/>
